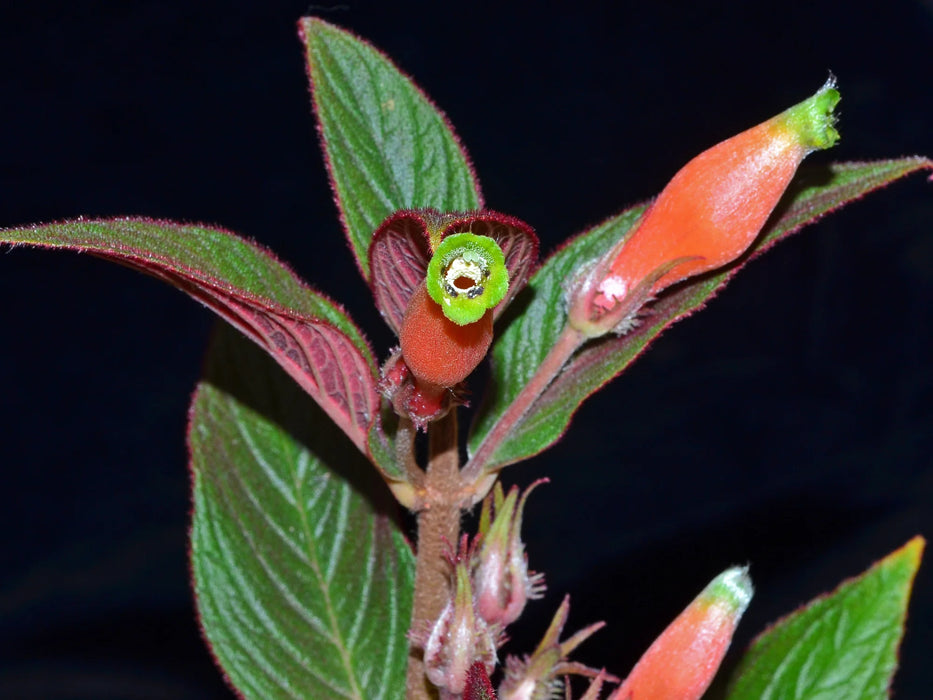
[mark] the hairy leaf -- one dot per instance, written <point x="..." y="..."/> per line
<point x="519" y="246"/>
<point x="843" y="645"/>
<point x="303" y="582"/>
<point x="527" y="338"/>
<point x="310" y="336"/>
<point x="398" y="262"/>
<point x="386" y="145"/>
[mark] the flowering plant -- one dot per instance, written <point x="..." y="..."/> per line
<point x="305" y="582"/>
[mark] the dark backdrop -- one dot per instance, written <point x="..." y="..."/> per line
<point x="788" y="426"/>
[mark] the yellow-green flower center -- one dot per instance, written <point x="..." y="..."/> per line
<point x="466" y="276"/>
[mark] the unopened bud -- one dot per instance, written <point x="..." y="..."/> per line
<point x="459" y="637"/>
<point x="708" y="215"/>
<point x="681" y="663"/>
<point x="501" y="578"/>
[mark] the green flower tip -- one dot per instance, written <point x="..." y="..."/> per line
<point x="813" y="120"/>
<point x="466" y="276"/>
<point x="731" y="589"/>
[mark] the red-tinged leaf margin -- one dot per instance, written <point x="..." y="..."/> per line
<point x="478" y="686"/>
<point x="518" y="242"/>
<point x="520" y="350"/>
<point x="833" y="624"/>
<point x="302" y="577"/>
<point x="402" y="247"/>
<point x="368" y="113"/>
<point x="398" y="262"/>
<point x="310" y="336"/>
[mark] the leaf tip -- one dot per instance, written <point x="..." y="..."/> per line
<point x="909" y="554"/>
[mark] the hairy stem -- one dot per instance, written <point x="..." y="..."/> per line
<point x="438" y="530"/>
<point x="405" y="452"/>
<point x="567" y="343"/>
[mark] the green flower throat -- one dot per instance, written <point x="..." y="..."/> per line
<point x="466" y="276"/>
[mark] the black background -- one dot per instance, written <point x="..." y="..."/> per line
<point x="788" y="426"/>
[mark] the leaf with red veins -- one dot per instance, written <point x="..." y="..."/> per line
<point x="308" y="335"/>
<point x="321" y="359"/>
<point x="403" y="244"/>
<point x="398" y="262"/>
<point x="517" y="240"/>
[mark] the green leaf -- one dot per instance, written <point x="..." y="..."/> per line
<point x="843" y="645"/>
<point x="387" y="146"/>
<point x="209" y="256"/>
<point x="310" y="336"/>
<point x="527" y="338"/>
<point x="304" y="582"/>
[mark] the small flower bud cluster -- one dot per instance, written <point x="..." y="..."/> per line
<point x="491" y="586"/>
<point x="538" y="677"/>
<point x="460" y="637"/>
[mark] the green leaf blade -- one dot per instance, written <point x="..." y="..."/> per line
<point x="842" y="645"/>
<point x="386" y="145"/>
<point x="303" y="582"/>
<point x="209" y="256"/>
<point x="520" y="348"/>
<point x="313" y="338"/>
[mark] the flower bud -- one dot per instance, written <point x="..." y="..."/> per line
<point x="501" y="579"/>
<point x="711" y="211"/>
<point x="538" y="677"/>
<point x="459" y="637"/>
<point x="681" y="663"/>
<point x="478" y="686"/>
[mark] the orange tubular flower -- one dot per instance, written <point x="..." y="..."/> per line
<point x="439" y="352"/>
<point x="681" y="663"/>
<point x="447" y="328"/>
<point x="714" y="207"/>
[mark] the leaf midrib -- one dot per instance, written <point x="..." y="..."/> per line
<point x="337" y="637"/>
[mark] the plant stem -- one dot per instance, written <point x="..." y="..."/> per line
<point x="438" y="531"/>
<point x="567" y="343"/>
<point x="405" y="452"/>
<point x="439" y="520"/>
